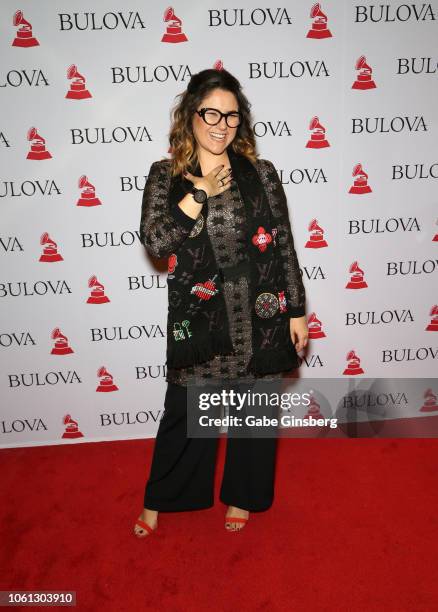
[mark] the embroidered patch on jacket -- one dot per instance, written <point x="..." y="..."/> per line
<point x="181" y="330"/>
<point x="171" y="264"/>
<point x="266" y="305"/>
<point x="282" y="301"/>
<point x="206" y="290"/>
<point x="261" y="239"/>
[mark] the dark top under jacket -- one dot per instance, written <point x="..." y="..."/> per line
<point x="163" y="230"/>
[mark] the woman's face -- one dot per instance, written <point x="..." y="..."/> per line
<point x="215" y="138"/>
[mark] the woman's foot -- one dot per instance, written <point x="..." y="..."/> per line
<point x="149" y="517"/>
<point x="234" y="512"/>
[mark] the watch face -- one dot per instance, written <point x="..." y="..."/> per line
<point x="200" y="195"/>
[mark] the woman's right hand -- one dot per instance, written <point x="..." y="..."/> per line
<point x="213" y="183"/>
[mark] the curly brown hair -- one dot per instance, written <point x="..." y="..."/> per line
<point x="181" y="139"/>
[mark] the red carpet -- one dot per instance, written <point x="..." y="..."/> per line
<point x="354" y="526"/>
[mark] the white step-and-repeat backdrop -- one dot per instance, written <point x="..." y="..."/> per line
<point x="344" y="99"/>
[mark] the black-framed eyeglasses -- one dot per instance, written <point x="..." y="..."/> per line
<point x="213" y="116"/>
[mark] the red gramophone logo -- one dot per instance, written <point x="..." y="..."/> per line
<point x="363" y="78"/>
<point x="317" y="138"/>
<point x="61" y="346"/>
<point x="88" y="193"/>
<point x="435" y="238"/>
<point x="50" y="252"/>
<point x="71" y="428"/>
<point x="218" y="65"/>
<point x="38" y="145"/>
<point x="360" y="184"/>
<point x="24" y="36"/>
<point x="316" y="238"/>
<point x="357" y="280"/>
<point x="77" y="90"/>
<point x="172" y="262"/>
<point x="353" y="365"/>
<point x="205" y="291"/>
<point x="174" y="33"/>
<point x="319" y="25"/>
<point x="106" y="383"/>
<point x="433" y="325"/>
<point x="430" y="404"/>
<point x="97" y="295"/>
<point x="314" y="409"/>
<point x="261" y="239"/>
<point x="315" y="327"/>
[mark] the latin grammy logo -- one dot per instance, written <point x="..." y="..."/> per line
<point x="319" y="25"/>
<point x="315" y="327"/>
<point x="50" y="252"/>
<point x="61" y="346"/>
<point x="314" y="409"/>
<point x="433" y="325"/>
<point x="77" y="90"/>
<point x="363" y="79"/>
<point x="88" y="193"/>
<point x="174" y="33"/>
<point x="430" y="404"/>
<point x="24" y="36"/>
<point x="71" y="428"/>
<point x="38" y="146"/>
<point x="106" y="383"/>
<point x="357" y="277"/>
<point x="317" y="139"/>
<point x="435" y="238"/>
<point x="353" y="364"/>
<point x="97" y="295"/>
<point x="360" y="184"/>
<point x="316" y="238"/>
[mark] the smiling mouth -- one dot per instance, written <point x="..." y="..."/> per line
<point x="218" y="137"/>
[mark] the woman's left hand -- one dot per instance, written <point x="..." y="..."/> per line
<point x="299" y="332"/>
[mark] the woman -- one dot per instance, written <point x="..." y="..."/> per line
<point x="236" y="297"/>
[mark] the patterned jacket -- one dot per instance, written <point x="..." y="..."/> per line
<point x="162" y="231"/>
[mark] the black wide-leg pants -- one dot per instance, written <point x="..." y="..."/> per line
<point x="182" y="470"/>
